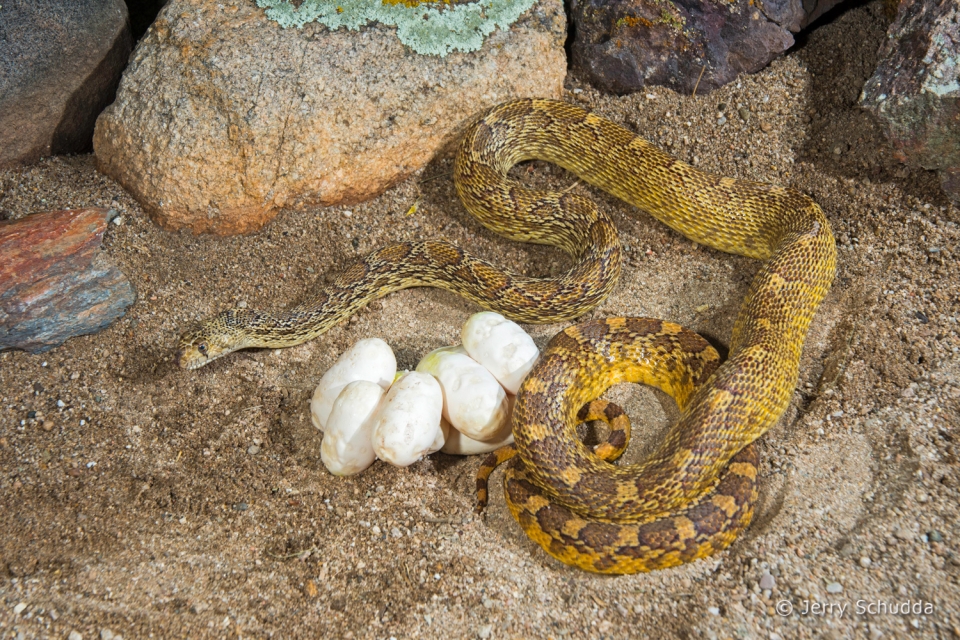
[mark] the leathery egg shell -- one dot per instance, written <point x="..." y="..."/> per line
<point x="500" y="345"/>
<point x="371" y="359"/>
<point x="407" y="426"/>
<point x="473" y="401"/>
<point x="347" y="446"/>
<point x="458" y="444"/>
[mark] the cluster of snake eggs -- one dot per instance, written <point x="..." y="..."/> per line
<point x="458" y="400"/>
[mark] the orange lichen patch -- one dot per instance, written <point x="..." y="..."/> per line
<point x="633" y="21"/>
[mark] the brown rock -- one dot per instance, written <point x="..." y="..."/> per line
<point x="915" y="91"/>
<point x="54" y="284"/>
<point x="624" y="45"/>
<point x="224" y="117"/>
<point x="60" y="63"/>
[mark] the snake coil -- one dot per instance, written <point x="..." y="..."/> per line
<point x="694" y="494"/>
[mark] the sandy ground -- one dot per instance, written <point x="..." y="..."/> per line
<point x="146" y="501"/>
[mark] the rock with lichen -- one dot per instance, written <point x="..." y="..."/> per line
<point x="624" y="45"/>
<point x="224" y="115"/>
<point x="429" y="27"/>
<point x="60" y="62"/>
<point x="915" y="91"/>
<point x="55" y="283"/>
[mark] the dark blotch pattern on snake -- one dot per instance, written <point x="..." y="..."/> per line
<point x="694" y="493"/>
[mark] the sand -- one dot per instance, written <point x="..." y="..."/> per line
<point x="146" y="501"/>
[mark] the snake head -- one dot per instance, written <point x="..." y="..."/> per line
<point x="214" y="339"/>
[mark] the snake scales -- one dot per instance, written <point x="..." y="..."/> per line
<point x="695" y="492"/>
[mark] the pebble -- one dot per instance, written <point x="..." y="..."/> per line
<point x="834" y="587"/>
<point x="722" y="120"/>
<point x="253" y="449"/>
<point x="767" y="581"/>
<point x="744" y="114"/>
<point x="241" y="506"/>
<point x="714" y="610"/>
<point x="17" y="610"/>
<point x="865" y="562"/>
<point x="485" y="631"/>
<point x="902" y="535"/>
<point x="106" y="634"/>
<point x="934" y="536"/>
<point x="765" y="126"/>
<point x="74" y="635"/>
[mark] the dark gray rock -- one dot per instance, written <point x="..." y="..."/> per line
<point x="54" y="282"/>
<point x="624" y="45"/>
<point x="60" y="63"/>
<point x="915" y="91"/>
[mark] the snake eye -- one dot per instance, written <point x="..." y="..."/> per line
<point x="202" y="348"/>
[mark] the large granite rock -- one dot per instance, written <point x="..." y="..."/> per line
<point x="54" y="282"/>
<point x="624" y="45"/>
<point x="223" y="116"/>
<point x="60" y="62"/>
<point x="915" y="91"/>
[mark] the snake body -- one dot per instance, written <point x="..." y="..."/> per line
<point x="695" y="492"/>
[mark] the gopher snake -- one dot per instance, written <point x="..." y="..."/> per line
<point x="691" y="496"/>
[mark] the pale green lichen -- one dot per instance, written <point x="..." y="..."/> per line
<point x="426" y="29"/>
